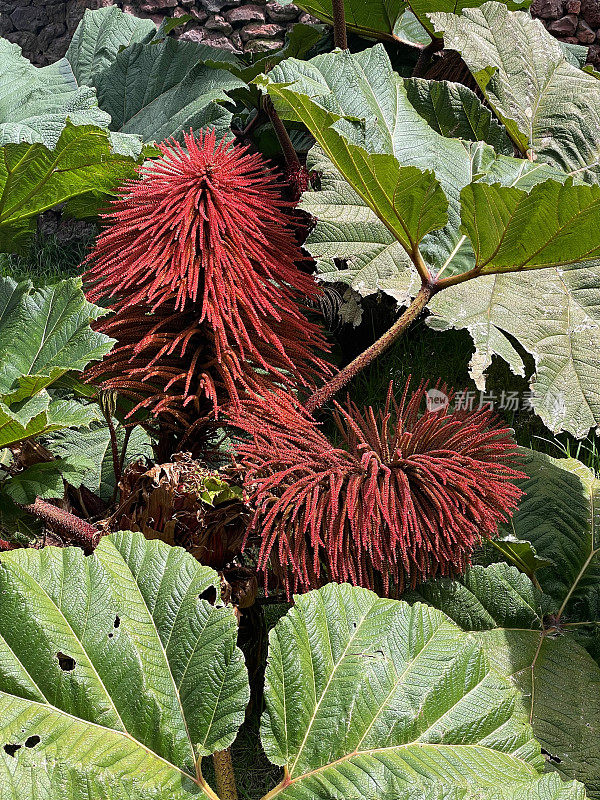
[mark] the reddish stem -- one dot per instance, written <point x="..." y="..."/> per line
<point x="75" y="530"/>
<point x="345" y="375"/>
<point x="340" y="37"/>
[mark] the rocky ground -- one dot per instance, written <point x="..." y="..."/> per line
<point x="43" y="28"/>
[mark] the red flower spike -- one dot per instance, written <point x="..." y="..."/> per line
<point x="206" y="231"/>
<point x="406" y="498"/>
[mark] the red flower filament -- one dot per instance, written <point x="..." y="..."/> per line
<point x="406" y="497"/>
<point x="205" y="232"/>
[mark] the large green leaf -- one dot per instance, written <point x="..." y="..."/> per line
<point x="45" y="333"/>
<point x="555" y="316"/>
<point x="455" y="111"/>
<point x="42" y="415"/>
<point x="383" y="19"/>
<point x="34" y="178"/>
<point x="46" y="479"/>
<point x="551" y="225"/>
<point x="559" y="682"/>
<point x="358" y="100"/>
<point x="36" y="101"/>
<point x="94" y="443"/>
<point x="100" y="35"/>
<point x="118" y="677"/>
<point x="370" y="698"/>
<point x="560" y="516"/>
<point x="161" y="89"/>
<point x="553" y="313"/>
<point x="550" y="107"/>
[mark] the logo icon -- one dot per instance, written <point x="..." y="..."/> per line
<point x="436" y="400"/>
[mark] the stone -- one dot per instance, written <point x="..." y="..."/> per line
<point x="215" y="39"/>
<point x="193" y="35"/>
<point x="236" y="40"/>
<point x="590" y="11"/>
<point x="201" y="16"/>
<point x="24" y="39"/>
<point x="573" y="6"/>
<point x="263" y="45"/>
<point x="152" y="6"/>
<point x="570" y="40"/>
<point x="308" y="19"/>
<point x="257" y="31"/>
<point x="6" y="25"/>
<point x="584" y="33"/>
<point x="219" y="24"/>
<point x="547" y="9"/>
<point x="278" y="13"/>
<point x="49" y="34"/>
<point x="594" y="54"/>
<point x="27" y="18"/>
<point x="216" y="6"/>
<point x="245" y="14"/>
<point x="180" y="12"/>
<point x="565" y="26"/>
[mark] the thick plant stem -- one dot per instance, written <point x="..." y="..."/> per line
<point x="224" y="775"/>
<point x="291" y="157"/>
<point x="340" y="38"/>
<point x="345" y="375"/>
<point x="76" y="530"/>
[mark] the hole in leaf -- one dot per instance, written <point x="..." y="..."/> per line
<point x="66" y="663"/>
<point x="549" y="757"/>
<point x="11" y="749"/>
<point x="110" y="635"/>
<point x="31" y="741"/>
<point x="117" y="621"/>
<point x="209" y="594"/>
<point x="340" y="263"/>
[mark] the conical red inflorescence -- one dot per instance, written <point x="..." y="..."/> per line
<point x="206" y="232"/>
<point x="406" y="495"/>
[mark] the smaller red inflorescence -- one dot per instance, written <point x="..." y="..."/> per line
<point x="203" y="248"/>
<point x="406" y="495"/>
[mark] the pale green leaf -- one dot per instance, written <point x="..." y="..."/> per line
<point x="559" y="682"/>
<point x="361" y="98"/>
<point x="145" y="685"/>
<point x="100" y="35"/>
<point x="161" y="89"/>
<point x="550" y="107"/>
<point x="34" y="179"/>
<point x="408" y="201"/>
<point x="371" y="698"/>
<point x="555" y="315"/>
<point x="94" y="443"/>
<point x="35" y="102"/>
<point x="409" y="30"/>
<point x="44" y="335"/>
